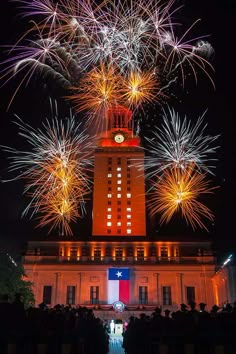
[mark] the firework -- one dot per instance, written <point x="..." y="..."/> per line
<point x="99" y="90"/>
<point x="54" y="171"/>
<point x="179" y="143"/>
<point x="103" y="88"/>
<point x="140" y="88"/>
<point x="178" y="191"/>
<point x="70" y="38"/>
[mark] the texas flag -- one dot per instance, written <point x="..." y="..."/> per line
<point x="118" y="285"/>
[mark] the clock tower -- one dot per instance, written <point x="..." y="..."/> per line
<point x="119" y="187"/>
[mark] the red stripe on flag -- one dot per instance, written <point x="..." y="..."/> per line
<point x="124" y="291"/>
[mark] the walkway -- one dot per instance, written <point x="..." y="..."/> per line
<point x="115" y="346"/>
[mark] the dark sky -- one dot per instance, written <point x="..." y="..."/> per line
<point x="31" y="104"/>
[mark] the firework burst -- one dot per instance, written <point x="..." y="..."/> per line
<point x="54" y="171"/>
<point x="99" y="90"/>
<point x="70" y="38"/>
<point x="178" y="191"/>
<point x="179" y="143"/>
<point x="140" y="88"/>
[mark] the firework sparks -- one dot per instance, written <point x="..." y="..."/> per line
<point x="54" y="171"/>
<point x="140" y="88"/>
<point x="179" y="143"/>
<point x="70" y="38"/>
<point x="178" y="191"/>
<point x="99" y="90"/>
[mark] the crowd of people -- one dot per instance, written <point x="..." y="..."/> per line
<point x="58" y="330"/>
<point x="76" y="330"/>
<point x="189" y="330"/>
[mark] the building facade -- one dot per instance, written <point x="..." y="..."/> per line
<point x="160" y="272"/>
<point x="224" y="282"/>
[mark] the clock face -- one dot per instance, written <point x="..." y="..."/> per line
<point x="119" y="138"/>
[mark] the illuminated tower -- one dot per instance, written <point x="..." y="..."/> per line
<point x="119" y="188"/>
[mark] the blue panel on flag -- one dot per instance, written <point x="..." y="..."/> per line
<point x="118" y="274"/>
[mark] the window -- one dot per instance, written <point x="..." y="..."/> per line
<point x="109" y="175"/>
<point x="128" y="195"/>
<point x="47" y="294"/>
<point x="109" y="160"/>
<point x="118" y="189"/>
<point x="109" y="169"/>
<point x="108" y="252"/>
<point x="140" y="254"/>
<point x="118" y="210"/>
<point x="109" y="189"/>
<point x="128" y="175"/>
<point x="177" y="252"/>
<point x="94" y="294"/>
<point x="109" y="216"/>
<point x="153" y="252"/>
<point x="97" y="254"/>
<point x="109" y="182"/>
<point x="118" y="195"/>
<point x="119" y="253"/>
<point x="130" y="252"/>
<point x="166" y="295"/>
<point x="109" y="223"/>
<point x="128" y="209"/>
<point x="164" y="252"/>
<point x="128" y="216"/>
<point x="118" y="202"/>
<point x="128" y="181"/>
<point x="85" y="251"/>
<point x="128" y="231"/>
<point x="109" y="195"/>
<point x="109" y="202"/>
<point x="118" y="169"/>
<point x="128" y="202"/>
<point x="119" y="223"/>
<point x="190" y="294"/>
<point x="108" y="231"/>
<point x="119" y="181"/>
<point x="118" y="175"/>
<point x="73" y="252"/>
<point x="143" y="295"/>
<point x="109" y="209"/>
<point x="70" y="295"/>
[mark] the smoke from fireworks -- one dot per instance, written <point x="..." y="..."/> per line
<point x="54" y="171"/>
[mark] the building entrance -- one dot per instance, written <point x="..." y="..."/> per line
<point x="116" y="327"/>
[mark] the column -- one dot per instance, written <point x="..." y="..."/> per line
<point x="79" y="288"/>
<point x="157" y="288"/>
<point x="180" y="287"/>
<point x="36" y="288"/>
<point x="203" y="297"/>
<point x="57" y="289"/>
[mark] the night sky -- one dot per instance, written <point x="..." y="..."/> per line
<point x="32" y="105"/>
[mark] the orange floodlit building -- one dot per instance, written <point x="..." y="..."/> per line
<point x="118" y="261"/>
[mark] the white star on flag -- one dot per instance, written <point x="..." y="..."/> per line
<point x="119" y="274"/>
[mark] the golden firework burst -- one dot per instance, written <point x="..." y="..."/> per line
<point x="179" y="190"/>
